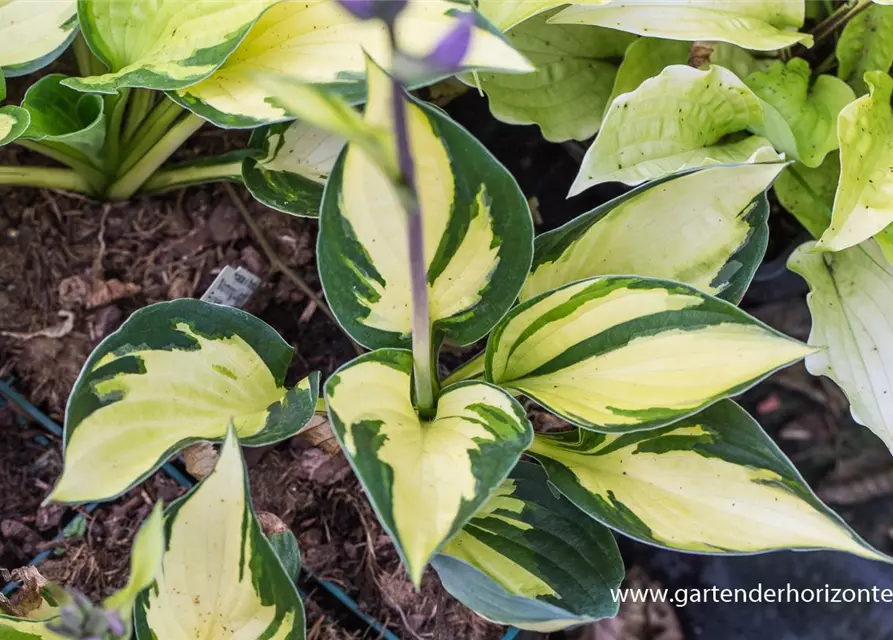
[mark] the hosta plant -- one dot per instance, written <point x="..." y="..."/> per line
<point x="151" y="73"/>
<point x="622" y="323"/>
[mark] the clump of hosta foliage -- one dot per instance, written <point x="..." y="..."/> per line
<point x="623" y="323"/>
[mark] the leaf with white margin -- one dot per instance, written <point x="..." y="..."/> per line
<point x="529" y="560"/>
<point x="477" y="234"/>
<point x="712" y="483"/>
<point x="173" y="374"/>
<point x="321" y="43"/>
<point x="219" y="577"/>
<point x="161" y="44"/>
<point x="13" y="123"/>
<point x="851" y="302"/>
<point x="865" y="44"/>
<point x="863" y="204"/>
<point x="575" y="70"/>
<point x="808" y="194"/>
<point x="798" y="119"/>
<point x="621" y="353"/>
<point x="425" y="478"/>
<point x="291" y="167"/>
<point x="762" y="25"/>
<point x="31" y="39"/>
<point x="61" y="114"/>
<point x="145" y="562"/>
<point x="706" y="228"/>
<point x="677" y="120"/>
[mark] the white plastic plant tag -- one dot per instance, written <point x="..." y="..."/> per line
<point x="232" y="287"/>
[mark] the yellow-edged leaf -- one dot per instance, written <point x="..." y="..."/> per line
<point x="620" y="354"/>
<point x="174" y="373"/>
<point x="321" y="43"/>
<point x="219" y="577"/>
<point x="712" y="483"/>
<point x="762" y="25"/>
<point x="705" y="228"/>
<point x="425" y="478"/>
<point x="145" y="563"/>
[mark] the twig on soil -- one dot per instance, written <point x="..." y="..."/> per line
<point x="277" y="263"/>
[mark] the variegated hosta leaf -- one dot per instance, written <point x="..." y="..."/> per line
<point x="477" y="232"/>
<point x="25" y="629"/>
<point x="162" y="44"/>
<point x="762" y="25"/>
<point x="174" y="373"/>
<point x="865" y="44"/>
<point x="798" y="119"/>
<point x="864" y="201"/>
<point x="712" y="483"/>
<point x="425" y="478"/>
<point x="13" y="123"/>
<point x="528" y="559"/>
<point x="321" y="43"/>
<point x="705" y="228"/>
<point x="677" y="120"/>
<point x="620" y="354"/>
<point x="808" y="194"/>
<point x="851" y="302"/>
<point x="292" y="165"/>
<point x="61" y="114"/>
<point x="575" y="69"/>
<point x="31" y="38"/>
<point x="219" y="578"/>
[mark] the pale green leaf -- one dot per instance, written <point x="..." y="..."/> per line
<point x="851" y="302"/>
<point x="705" y="228"/>
<point x="681" y="119"/>
<point x="762" y="25"/>
<point x="13" y="123"/>
<point x="644" y="59"/>
<point x="808" y="194"/>
<point x="145" y="563"/>
<point x="162" y="44"/>
<point x="175" y="373"/>
<point x="505" y="14"/>
<point x="620" y="353"/>
<point x="863" y="204"/>
<point x="712" y="483"/>
<point x="31" y="38"/>
<point x="865" y="44"/>
<point x="219" y="577"/>
<point x="798" y="119"/>
<point x="529" y="559"/>
<point x="477" y="234"/>
<point x="425" y="478"/>
<point x="575" y="69"/>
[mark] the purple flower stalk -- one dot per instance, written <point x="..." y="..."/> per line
<point x="447" y="56"/>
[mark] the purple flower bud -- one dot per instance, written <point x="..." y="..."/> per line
<point x="386" y="10"/>
<point x="451" y="50"/>
<point x="115" y="624"/>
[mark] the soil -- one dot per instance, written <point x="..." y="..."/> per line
<point x="71" y="270"/>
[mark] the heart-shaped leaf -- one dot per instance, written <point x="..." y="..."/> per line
<point x="477" y="233"/>
<point x="175" y="373"/>
<point x="865" y="44"/>
<point x="425" y="478"/>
